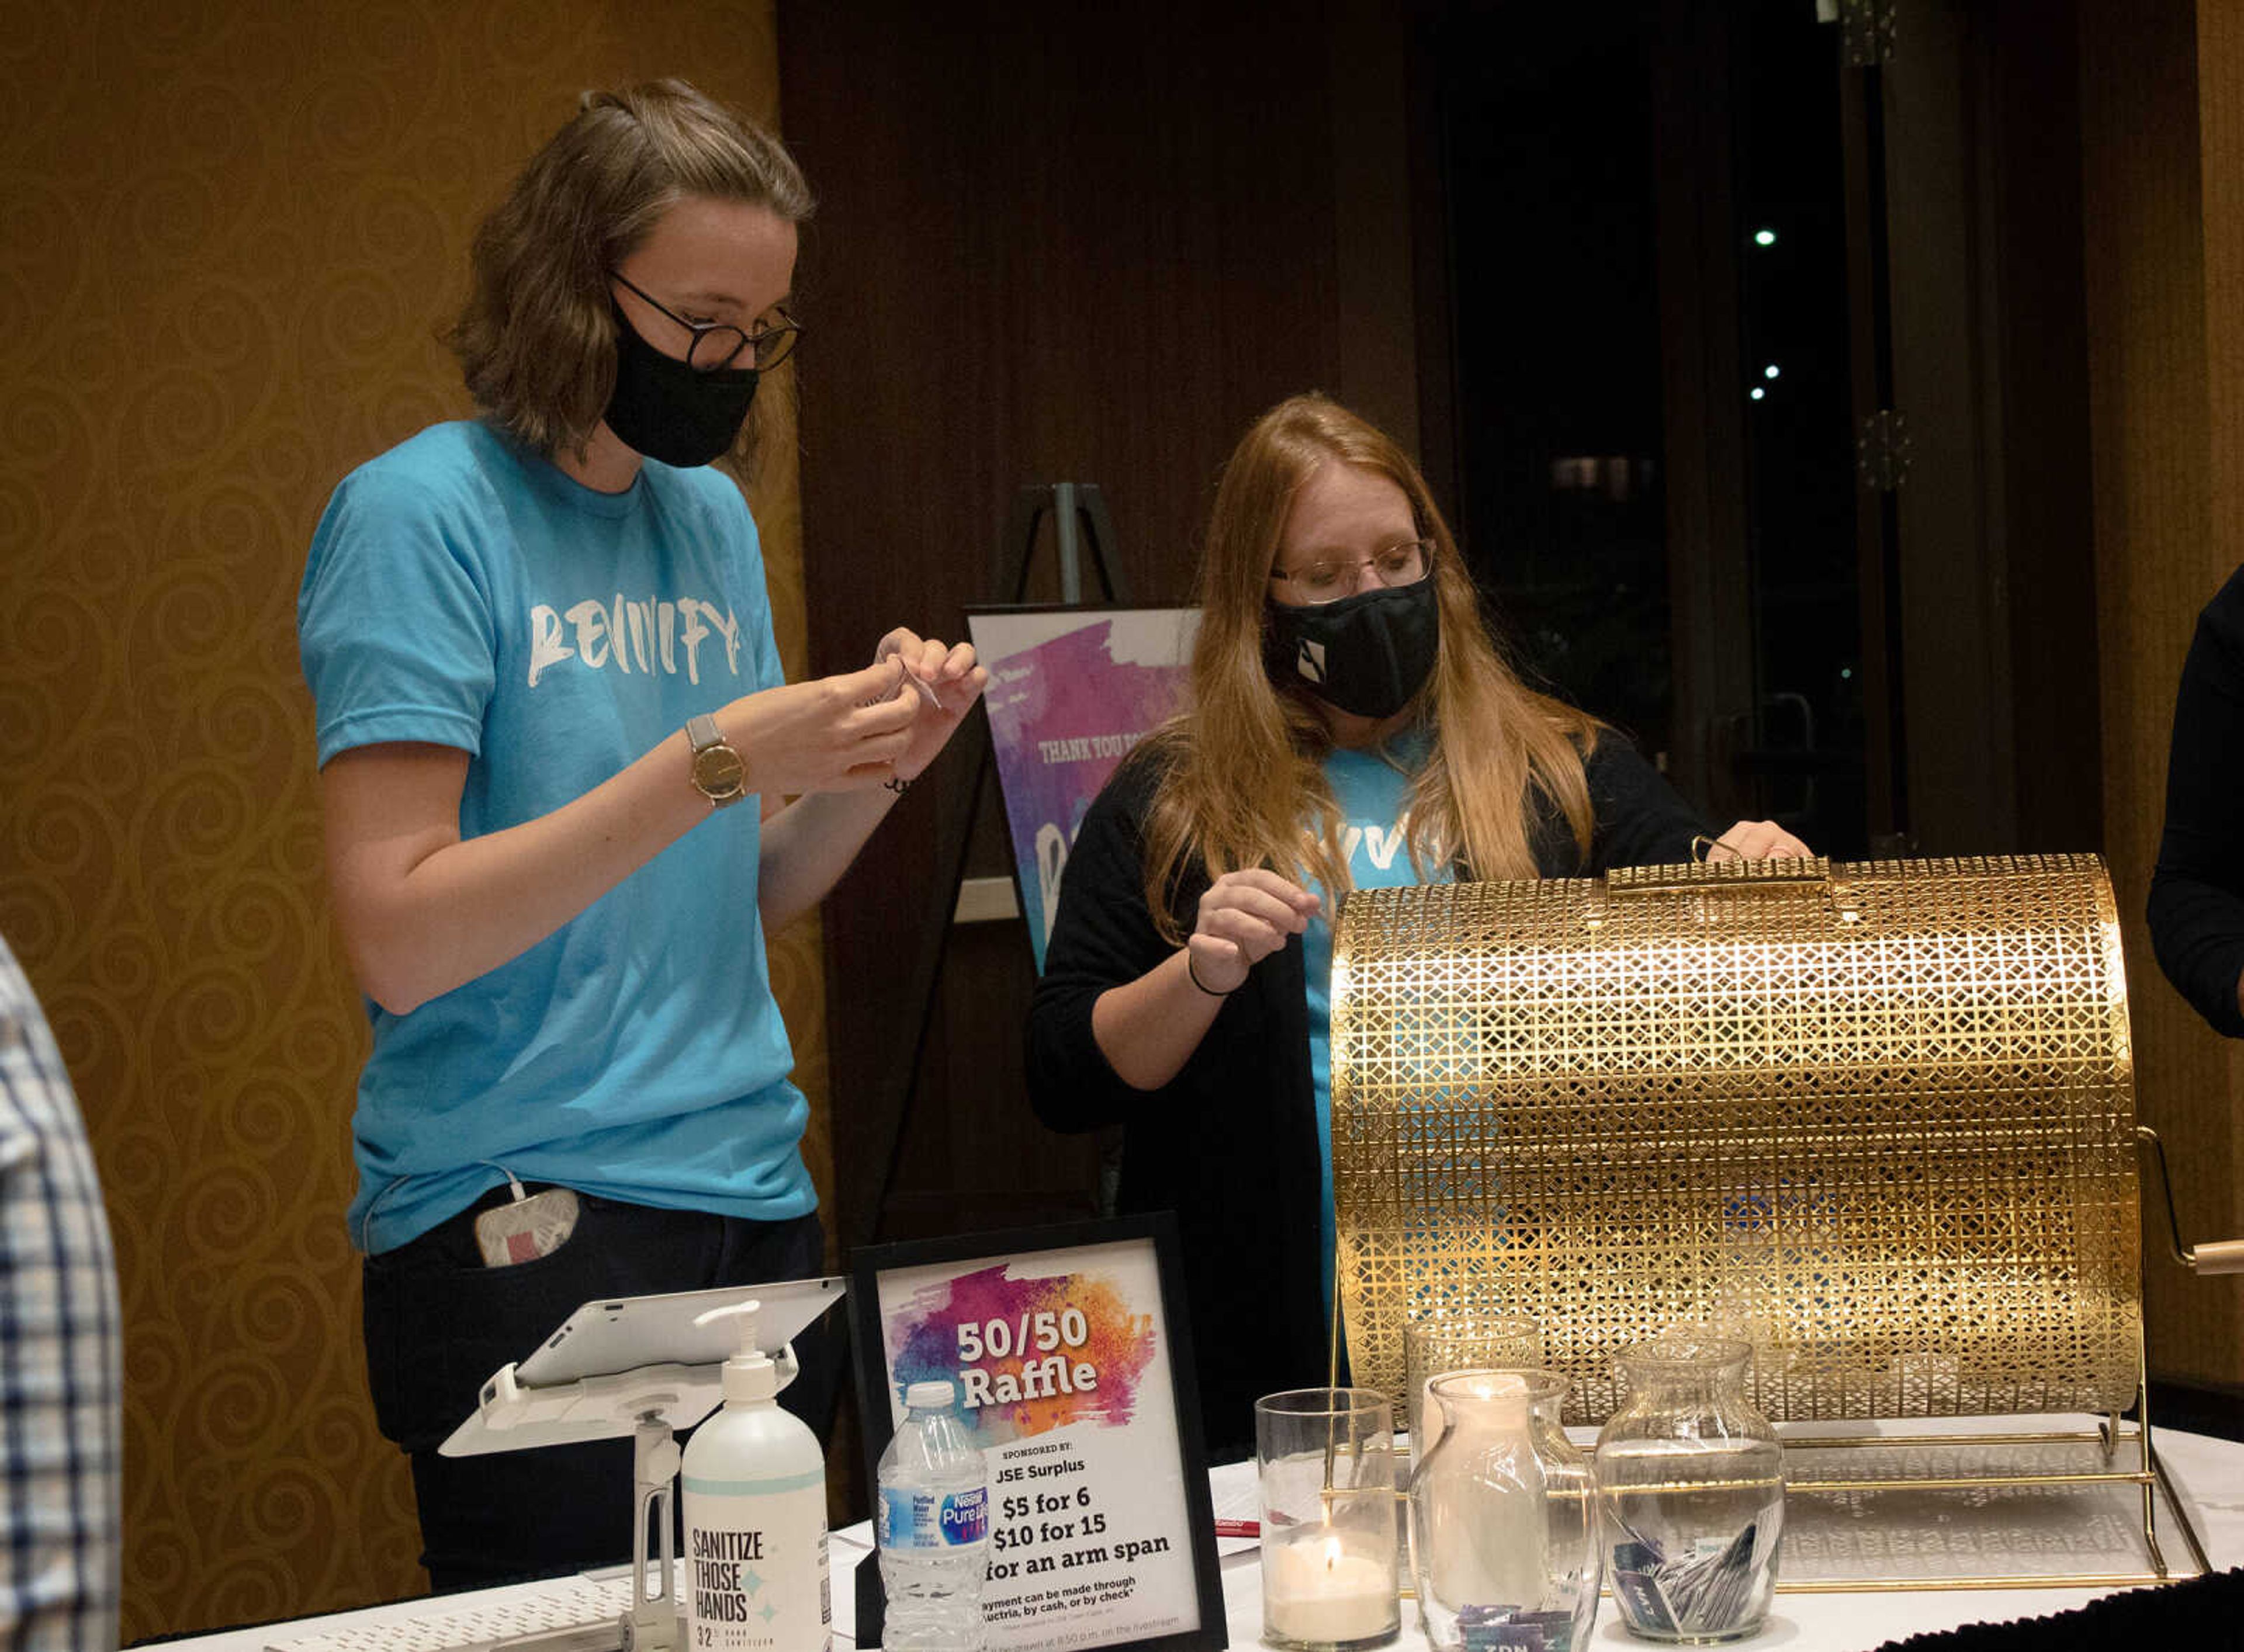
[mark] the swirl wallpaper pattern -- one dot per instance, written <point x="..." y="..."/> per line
<point x="228" y="234"/>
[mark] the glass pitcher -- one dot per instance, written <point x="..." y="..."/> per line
<point x="1502" y="1524"/>
<point x="1690" y="1482"/>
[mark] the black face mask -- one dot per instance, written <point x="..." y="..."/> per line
<point x="662" y="408"/>
<point x="1367" y="654"/>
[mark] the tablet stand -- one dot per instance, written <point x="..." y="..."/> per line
<point x="648" y="1405"/>
<point x="652" y="1625"/>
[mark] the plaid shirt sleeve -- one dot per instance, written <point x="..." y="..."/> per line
<point x="59" y="1351"/>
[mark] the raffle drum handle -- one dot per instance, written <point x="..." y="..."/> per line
<point x="1716" y="879"/>
<point x="2215" y="1256"/>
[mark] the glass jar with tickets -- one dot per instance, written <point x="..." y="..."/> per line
<point x="1690" y="1481"/>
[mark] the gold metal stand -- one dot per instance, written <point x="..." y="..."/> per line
<point x="2114" y="1437"/>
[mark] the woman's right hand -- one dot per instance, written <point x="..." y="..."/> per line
<point x="831" y="734"/>
<point x="1148" y="1029"/>
<point x="1245" y="917"/>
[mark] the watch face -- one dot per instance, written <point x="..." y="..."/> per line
<point x="720" y="773"/>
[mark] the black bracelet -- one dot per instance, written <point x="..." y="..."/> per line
<point x="897" y="784"/>
<point x="1203" y="986"/>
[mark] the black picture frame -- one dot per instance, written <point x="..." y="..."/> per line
<point x="875" y="1385"/>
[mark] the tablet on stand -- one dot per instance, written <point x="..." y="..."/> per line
<point x="637" y="1366"/>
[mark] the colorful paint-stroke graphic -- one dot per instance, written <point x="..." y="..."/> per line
<point x="1069" y="694"/>
<point x="1029" y="1355"/>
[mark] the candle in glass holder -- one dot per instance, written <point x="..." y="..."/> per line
<point x="1326" y="1461"/>
<point x="1315" y="1592"/>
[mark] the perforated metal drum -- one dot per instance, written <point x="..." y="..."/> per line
<point x="1877" y="1117"/>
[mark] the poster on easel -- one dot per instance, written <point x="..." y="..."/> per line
<point x="1067" y="1352"/>
<point x="1071" y="690"/>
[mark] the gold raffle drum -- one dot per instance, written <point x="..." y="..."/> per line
<point x="1875" y="1118"/>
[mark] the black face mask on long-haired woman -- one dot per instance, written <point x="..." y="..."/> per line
<point x="670" y="412"/>
<point x="1367" y="654"/>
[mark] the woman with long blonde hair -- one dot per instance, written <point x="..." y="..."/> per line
<point x="1351" y="725"/>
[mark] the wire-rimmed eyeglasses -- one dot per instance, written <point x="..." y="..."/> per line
<point x="719" y="344"/>
<point x="1330" y="578"/>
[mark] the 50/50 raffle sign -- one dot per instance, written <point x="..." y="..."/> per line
<point x="1061" y="1345"/>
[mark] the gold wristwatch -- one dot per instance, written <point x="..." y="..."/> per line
<point x="719" y="774"/>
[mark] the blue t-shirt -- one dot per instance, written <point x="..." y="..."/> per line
<point x="1372" y="793"/>
<point x="463" y="592"/>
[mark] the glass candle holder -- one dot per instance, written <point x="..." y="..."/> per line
<point x="1326" y="1462"/>
<point x="1440" y="1342"/>
<point x="1691" y="1482"/>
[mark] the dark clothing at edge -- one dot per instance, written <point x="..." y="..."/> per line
<point x="2197" y="893"/>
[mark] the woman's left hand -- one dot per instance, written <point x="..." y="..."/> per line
<point x="947" y="682"/>
<point x="1759" y="840"/>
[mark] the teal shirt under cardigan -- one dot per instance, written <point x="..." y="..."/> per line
<point x="1372" y="791"/>
<point x="461" y="591"/>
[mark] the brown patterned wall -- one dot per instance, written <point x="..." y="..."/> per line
<point x="2216" y="1109"/>
<point x="2166" y="240"/>
<point x="227" y="232"/>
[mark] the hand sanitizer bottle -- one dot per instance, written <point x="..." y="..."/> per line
<point x="754" y="1483"/>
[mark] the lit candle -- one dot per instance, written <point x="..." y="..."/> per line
<point x="1314" y="1590"/>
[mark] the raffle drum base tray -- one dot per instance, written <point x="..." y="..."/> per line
<point x="1876" y="1119"/>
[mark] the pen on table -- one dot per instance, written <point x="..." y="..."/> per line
<point x="1239" y="1528"/>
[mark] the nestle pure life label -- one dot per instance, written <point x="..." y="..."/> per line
<point x="913" y="1518"/>
<point x="755" y="1571"/>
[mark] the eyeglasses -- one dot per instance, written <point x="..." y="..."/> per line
<point x="1330" y="578"/>
<point x="718" y="344"/>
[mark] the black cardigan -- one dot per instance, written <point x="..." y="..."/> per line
<point x="1230" y="1143"/>
<point x="2197" y="894"/>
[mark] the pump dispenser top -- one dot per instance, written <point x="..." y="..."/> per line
<point x="750" y="1377"/>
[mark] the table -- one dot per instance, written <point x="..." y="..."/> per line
<point x="2206" y="1473"/>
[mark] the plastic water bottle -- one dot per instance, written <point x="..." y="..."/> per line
<point x="934" y="1528"/>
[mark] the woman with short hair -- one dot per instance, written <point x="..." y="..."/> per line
<point x="543" y="662"/>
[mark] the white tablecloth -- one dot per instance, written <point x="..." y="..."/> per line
<point x="2208" y="1475"/>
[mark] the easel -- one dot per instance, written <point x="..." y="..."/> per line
<point x="1074" y="507"/>
<point x="1081" y="528"/>
<point x="1080" y="525"/>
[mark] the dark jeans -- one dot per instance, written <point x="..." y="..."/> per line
<point x="438" y="1323"/>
